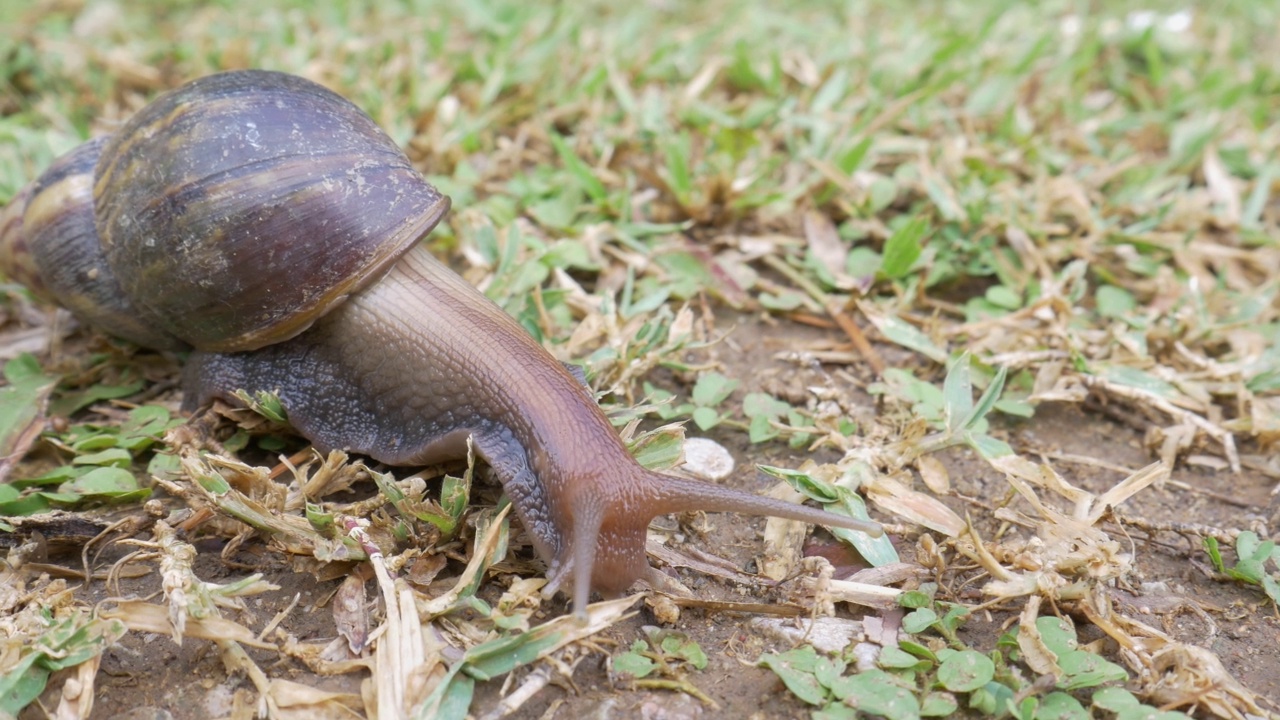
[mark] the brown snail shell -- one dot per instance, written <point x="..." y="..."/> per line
<point x="242" y="206"/>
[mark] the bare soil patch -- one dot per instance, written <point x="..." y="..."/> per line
<point x="148" y="676"/>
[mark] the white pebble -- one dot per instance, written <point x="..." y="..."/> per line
<point x="706" y="459"/>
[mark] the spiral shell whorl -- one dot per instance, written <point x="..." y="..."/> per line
<point x="60" y="236"/>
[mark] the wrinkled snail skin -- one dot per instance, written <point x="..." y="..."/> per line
<point x="402" y="361"/>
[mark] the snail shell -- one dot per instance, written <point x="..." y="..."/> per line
<point x="242" y="206"/>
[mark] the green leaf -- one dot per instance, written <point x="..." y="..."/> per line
<point x="828" y="671"/>
<point x="797" y="420"/>
<point x="580" y="171"/>
<point x="938" y="704"/>
<point x="1060" y="706"/>
<point x="454" y="492"/>
<point x="24" y="369"/>
<point x="957" y="389"/>
<point x="920" y="651"/>
<point x="862" y="262"/>
<point x="906" y="335"/>
<point x="1015" y="407"/>
<point x="882" y="193"/>
<point x="1083" y="669"/>
<point x="22" y="405"/>
<point x="1271" y="586"/>
<point x="1251" y="557"/>
<point x="678" y="645"/>
<point x="759" y="404"/>
<point x="457" y="698"/>
<point x="705" y="418"/>
<point x="69" y="403"/>
<point x="892" y="658"/>
<point x="1114" y="302"/>
<point x="1215" y="555"/>
<point x="320" y="520"/>
<point x="782" y="302"/>
<point x="712" y="389"/>
<point x="835" y="710"/>
<point x="94" y="441"/>
<point x="966" y="671"/>
<point x="1003" y="297"/>
<point x="633" y="663"/>
<point x="988" y="447"/>
<point x="803" y="482"/>
<point x="987" y="401"/>
<point x="165" y="465"/>
<point x="15" y="505"/>
<point x="991" y="699"/>
<point x="22" y="684"/>
<point x="1057" y="634"/>
<point x="113" y="457"/>
<point x="795" y="668"/>
<point x="264" y="403"/>
<point x="496" y="657"/>
<point x="1141" y="380"/>
<point x="108" y="483"/>
<point x="956" y="615"/>
<point x="920" y="620"/>
<point x="875" y="692"/>
<point x="850" y="160"/>
<point x="916" y="599"/>
<point x="841" y="500"/>
<point x="658" y="449"/>
<point x="903" y="248"/>
<point x="1115" y="699"/>
<point x="761" y="429"/>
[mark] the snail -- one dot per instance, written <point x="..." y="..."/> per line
<point x="269" y="224"/>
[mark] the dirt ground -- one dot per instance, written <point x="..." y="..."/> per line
<point x="148" y="676"/>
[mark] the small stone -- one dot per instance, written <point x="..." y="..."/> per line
<point x="707" y="459"/>
<point x="665" y="611"/>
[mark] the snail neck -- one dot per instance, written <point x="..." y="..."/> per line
<point x="486" y="366"/>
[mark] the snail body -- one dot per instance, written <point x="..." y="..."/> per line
<point x="270" y="225"/>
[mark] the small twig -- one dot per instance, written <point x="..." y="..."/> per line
<point x="279" y="618"/>
<point x="856" y="335"/>
<point x="683" y="686"/>
<point x="291" y="463"/>
<point x="131" y="525"/>
<point x="533" y="684"/>
<point x="810" y="319"/>
<point x="1194" y="529"/>
<point x="1094" y="462"/>
<point x="833" y="309"/>
<point x="1083" y="460"/>
<point x="738" y="607"/>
